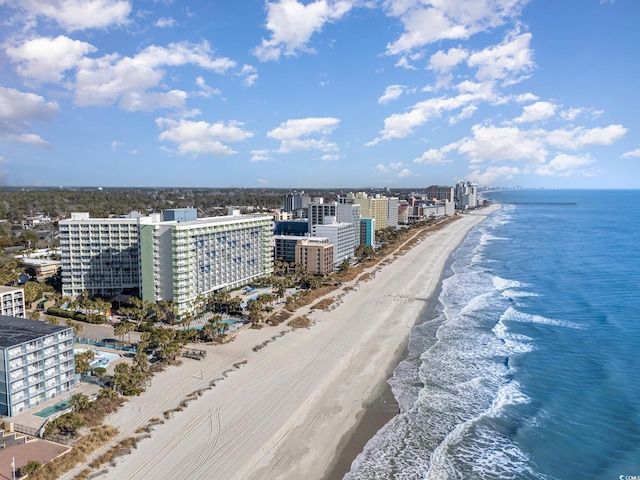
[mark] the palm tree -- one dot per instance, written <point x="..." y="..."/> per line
<point x="208" y="332"/>
<point x="77" y="327"/>
<point x="141" y="360"/>
<point x="166" y="311"/>
<point x="123" y="328"/>
<point x="170" y="351"/>
<point x="187" y="320"/>
<point x="255" y="311"/>
<point x="83" y="362"/>
<point x="79" y="402"/>
<point x="225" y="298"/>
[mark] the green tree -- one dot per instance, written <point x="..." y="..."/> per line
<point x="108" y="393"/>
<point x="123" y="328"/>
<point x="170" y="351"/>
<point x="141" y="361"/>
<point x="83" y="362"/>
<point x="28" y="239"/>
<point x="255" y="311"/>
<point x="32" y="466"/>
<point x="34" y="315"/>
<point x="66" y="424"/>
<point x="32" y="290"/>
<point x="129" y="380"/>
<point x="166" y="311"/>
<point x="9" y="272"/>
<point x="79" y="402"/>
<point x="77" y="327"/>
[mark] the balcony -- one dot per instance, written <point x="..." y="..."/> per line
<point x="17" y="364"/>
<point x="16" y="386"/>
<point x="15" y="352"/>
<point x="33" y="358"/>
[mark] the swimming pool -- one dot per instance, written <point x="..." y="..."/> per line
<point x="55" y="408"/>
<point x="229" y="321"/>
<point x="101" y="358"/>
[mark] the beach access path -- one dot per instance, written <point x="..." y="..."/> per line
<point x="280" y="412"/>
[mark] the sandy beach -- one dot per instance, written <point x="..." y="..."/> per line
<point x="286" y="411"/>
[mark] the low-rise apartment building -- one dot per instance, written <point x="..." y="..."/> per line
<point x="12" y="303"/>
<point x="36" y="363"/>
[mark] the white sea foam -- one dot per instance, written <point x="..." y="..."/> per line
<point x="486" y="237"/>
<point x="513" y="315"/>
<point x="510" y="293"/>
<point x="514" y="343"/>
<point x="502" y="284"/>
<point x="489" y="455"/>
<point x="509" y="394"/>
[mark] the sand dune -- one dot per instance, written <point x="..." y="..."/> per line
<point x="283" y="413"/>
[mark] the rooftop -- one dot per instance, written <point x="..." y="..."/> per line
<point x="15" y="331"/>
<point x="5" y="289"/>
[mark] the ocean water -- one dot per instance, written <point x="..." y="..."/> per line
<point x="529" y="366"/>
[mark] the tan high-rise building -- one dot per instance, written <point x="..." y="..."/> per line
<point x="376" y="207"/>
<point x="316" y="254"/>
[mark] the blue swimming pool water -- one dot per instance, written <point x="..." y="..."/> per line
<point x="55" y="408"/>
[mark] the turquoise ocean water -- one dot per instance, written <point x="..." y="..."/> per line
<point x="529" y="366"/>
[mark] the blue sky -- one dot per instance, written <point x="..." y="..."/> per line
<point x="324" y="93"/>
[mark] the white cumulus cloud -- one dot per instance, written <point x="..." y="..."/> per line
<point x="294" y="134"/>
<point x="429" y="21"/>
<point x="292" y="24"/>
<point x="260" y="156"/>
<point x="632" y="154"/>
<point x="196" y="137"/>
<point x="45" y="59"/>
<point x="537" y="112"/>
<point x="564" y="164"/>
<point x="74" y="15"/>
<point x="127" y="80"/>
<point x="433" y="156"/>
<point x="165" y="22"/>
<point x="392" y="92"/>
<point x="509" y="61"/>
<point x="492" y="175"/>
<point x="443" y="62"/>
<point x="18" y="110"/>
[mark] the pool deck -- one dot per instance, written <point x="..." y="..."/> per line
<point x="29" y="417"/>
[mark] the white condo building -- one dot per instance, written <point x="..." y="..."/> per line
<point x="344" y="211"/>
<point x="466" y="195"/>
<point x="392" y="211"/>
<point x="340" y="235"/>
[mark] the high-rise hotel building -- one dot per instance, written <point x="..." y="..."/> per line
<point x="100" y="255"/>
<point x="169" y="256"/>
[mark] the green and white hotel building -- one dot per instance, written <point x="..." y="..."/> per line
<point x="172" y="256"/>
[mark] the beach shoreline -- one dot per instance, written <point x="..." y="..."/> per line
<point x="286" y="410"/>
<point x="382" y="408"/>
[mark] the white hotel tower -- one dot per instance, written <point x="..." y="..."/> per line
<point x="170" y="256"/>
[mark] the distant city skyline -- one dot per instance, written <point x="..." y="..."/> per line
<point x="319" y="94"/>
